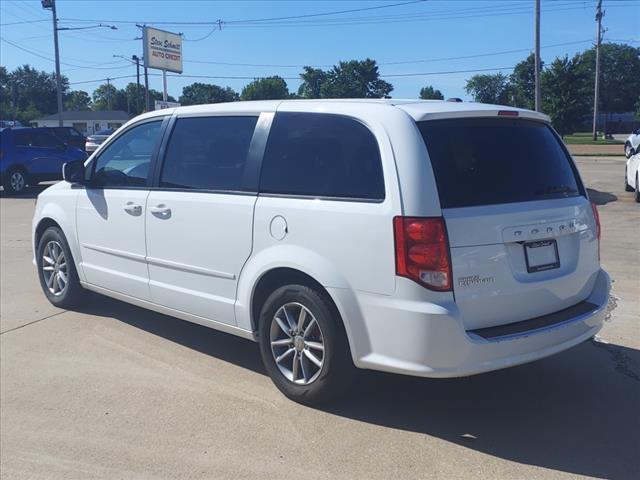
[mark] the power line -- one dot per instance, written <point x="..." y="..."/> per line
<point x="401" y="62"/>
<point x="457" y="11"/>
<point x="256" y="19"/>
<point x="326" y="13"/>
<point x="36" y="54"/>
<point x="23" y="22"/>
<point x="102" y="79"/>
<point x="247" y="77"/>
<point x="446" y="72"/>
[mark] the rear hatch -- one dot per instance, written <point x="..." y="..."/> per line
<point x="520" y="225"/>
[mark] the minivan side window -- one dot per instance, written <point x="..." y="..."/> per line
<point x="321" y="155"/>
<point x="125" y="162"/>
<point x="208" y="153"/>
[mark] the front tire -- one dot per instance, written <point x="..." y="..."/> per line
<point x="56" y="270"/>
<point x="637" y="194"/>
<point x="304" y="346"/>
<point x="15" y="182"/>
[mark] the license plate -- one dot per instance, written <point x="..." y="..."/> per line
<point x="541" y="255"/>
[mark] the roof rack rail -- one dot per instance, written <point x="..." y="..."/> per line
<point x="454" y="99"/>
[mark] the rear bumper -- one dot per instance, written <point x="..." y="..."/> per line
<point x="429" y="340"/>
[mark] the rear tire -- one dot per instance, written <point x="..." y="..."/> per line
<point x="57" y="271"/>
<point x="627" y="187"/>
<point x="637" y="194"/>
<point x="15" y="181"/>
<point x="319" y="347"/>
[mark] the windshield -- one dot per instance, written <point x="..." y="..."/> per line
<point x="484" y="161"/>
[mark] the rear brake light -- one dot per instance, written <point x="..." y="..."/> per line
<point x="596" y="217"/>
<point x="422" y="251"/>
<point x="508" y="113"/>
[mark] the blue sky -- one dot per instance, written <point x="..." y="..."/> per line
<point x="425" y="35"/>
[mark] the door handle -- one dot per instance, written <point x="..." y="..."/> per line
<point x="133" y="208"/>
<point x="161" y="211"/>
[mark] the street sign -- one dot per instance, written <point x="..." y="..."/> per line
<point x="162" y="50"/>
<point x="161" y="104"/>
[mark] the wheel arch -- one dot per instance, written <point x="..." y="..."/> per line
<point x="276" y="278"/>
<point x="42" y="225"/>
<point x="61" y="214"/>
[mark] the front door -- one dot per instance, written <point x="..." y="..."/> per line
<point x="199" y="218"/>
<point x="111" y="213"/>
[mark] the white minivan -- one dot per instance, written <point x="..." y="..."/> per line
<point x="426" y="238"/>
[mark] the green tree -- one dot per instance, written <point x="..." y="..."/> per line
<point x="566" y="93"/>
<point x="490" y="88"/>
<point x="77" y="100"/>
<point x="201" y="93"/>
<point x="355" y="79"/>
<point x="5" y="103"/>
<point x="619" y="76"/>
<point x="108" y="97"/>
<point x="312" y="80"/>
<point x="429" y="93"/>
<point x="523" y="83"/>
<point x="269" y="88"/>
<point x="135" y="99"/>
<point x="28" y="93"/>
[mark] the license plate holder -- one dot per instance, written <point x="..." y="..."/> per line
<point x="541" y="255"/>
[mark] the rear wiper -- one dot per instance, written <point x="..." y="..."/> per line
<point x="556" y="189"/>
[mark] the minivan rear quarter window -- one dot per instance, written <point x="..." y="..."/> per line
<point x="321" y="155"/>
<point x="208" y="153"/>
<point x="484" y="161"/>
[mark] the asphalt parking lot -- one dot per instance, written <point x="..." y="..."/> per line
<point x="114" y="391"/>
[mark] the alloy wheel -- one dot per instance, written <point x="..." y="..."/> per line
<point x="54" y="268"/>
<point x="17" y="182"/>
<point x="297" y="343"/>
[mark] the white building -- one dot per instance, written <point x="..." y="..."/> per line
<point x="86" y="121"/>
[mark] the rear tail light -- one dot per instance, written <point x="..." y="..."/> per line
<point x="596" y="217"/>
<point x="508" y="113"/>
<point x="422" y="251"/>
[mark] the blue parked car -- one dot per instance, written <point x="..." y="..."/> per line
<point x="32" y="155"/>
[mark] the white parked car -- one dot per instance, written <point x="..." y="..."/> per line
<point x="632" y="144"/>
<point x="95" y="140"/>
<point x="632" y="176"/>
<point x="337" y="234"/>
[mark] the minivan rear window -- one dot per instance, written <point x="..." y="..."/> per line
<point x="485" y="161"/>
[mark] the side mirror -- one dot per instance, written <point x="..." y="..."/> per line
<point x="73" y="172"/>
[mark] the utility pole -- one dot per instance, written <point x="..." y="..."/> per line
<point x="146" y="89"/>
<point x="136" y="59"/>
<point x="164" y="85"/>
<point x="51" y="4"/>
<point x="538" y="94"/>
<point x="108" y="94"/>
<point x="599" y="15"/>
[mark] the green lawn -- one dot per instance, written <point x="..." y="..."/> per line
<point x="587" y="139"/>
